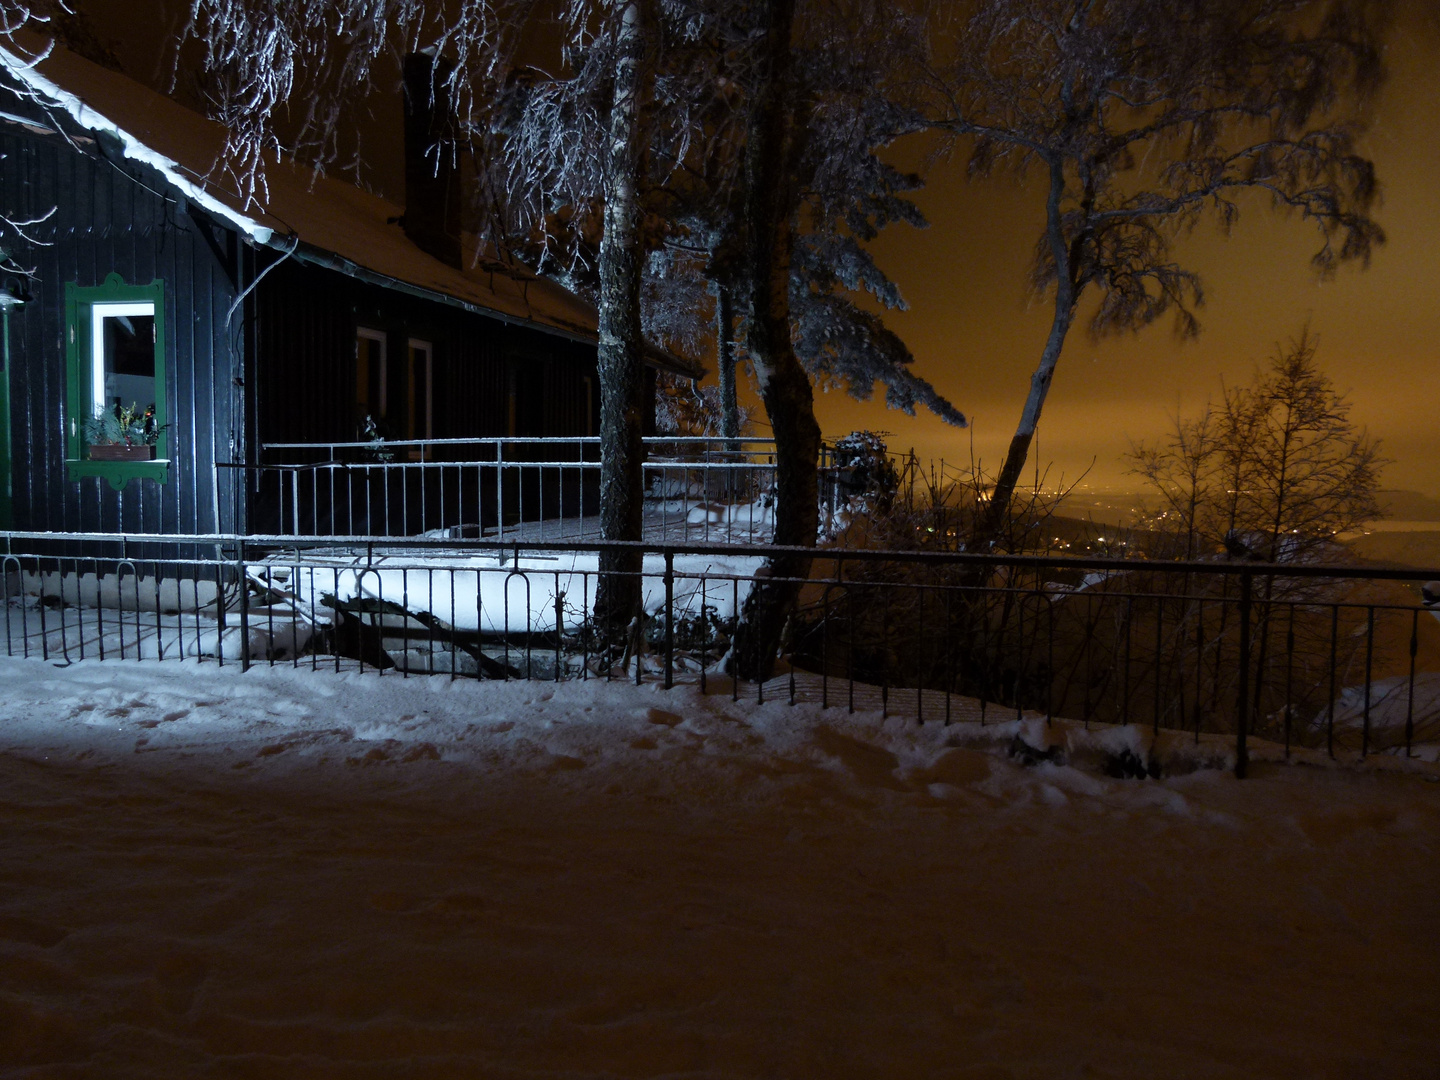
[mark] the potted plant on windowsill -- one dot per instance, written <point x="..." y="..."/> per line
<point x="123" y="433"/>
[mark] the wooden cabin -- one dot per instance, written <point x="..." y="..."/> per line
<point x="311" y="314"/>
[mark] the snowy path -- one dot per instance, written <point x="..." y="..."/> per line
<point x="205" y="873"/>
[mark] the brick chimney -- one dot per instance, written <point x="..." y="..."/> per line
<point x="432" y="175"/>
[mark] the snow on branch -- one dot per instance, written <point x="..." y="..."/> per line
<point x="1150" y="115"/>
<point x="297" y="67"/>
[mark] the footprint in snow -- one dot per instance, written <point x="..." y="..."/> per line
<point x="176" y="980"/>
<point x="371" y="757"/>
<point x="29" y="932"/>
<point x="168" y="718"/>
<point x="663" y="718"/>
<point x="393" y="903"/>
<point x="871" y="765"/>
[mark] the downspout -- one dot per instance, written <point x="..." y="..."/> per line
<point x="8" y="300"/>
<point x="5" y="488"/>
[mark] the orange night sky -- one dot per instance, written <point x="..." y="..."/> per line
<point x="976" y="335"/>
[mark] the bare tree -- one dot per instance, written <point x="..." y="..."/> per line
<point x="588" y="159"/>
<point x="282" y="78"/>
<point x="1182" y="469"/>
<point x="1145" y="117"/>
<point x="725" y="365"/>
<point x="1277" y="471"/>
<point x="759" y="169"/>
<point x="774" y="144"/>
<point x="1312" y="472"/>
<point x="621" y="347"/>
<point x="1273" y="474"/>
<point x="20" y="232"/>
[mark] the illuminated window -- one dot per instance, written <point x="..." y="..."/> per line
<point x="122" y="355"/>
<point x="117" y="422"/>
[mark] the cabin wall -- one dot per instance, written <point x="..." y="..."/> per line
<point x="307" y="319"/>
<point x="491" y="380"/>
<point x="108" y="218"/>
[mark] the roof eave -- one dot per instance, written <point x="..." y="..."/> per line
<point x="24" y="70"/>
<point x="290" y="247"/>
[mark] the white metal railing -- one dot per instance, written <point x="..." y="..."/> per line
<point x="697" y="488"/>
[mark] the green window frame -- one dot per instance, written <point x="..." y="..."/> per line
<point x="82" y="389"/>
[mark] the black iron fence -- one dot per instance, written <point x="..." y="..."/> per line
<point x="1339" y="658"/>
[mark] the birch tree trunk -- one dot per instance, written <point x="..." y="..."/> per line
<point x="725" y="365"/>
<point x="990" y="524"/>
<point x="618" y="595"/>
<point x="770" y="163"/>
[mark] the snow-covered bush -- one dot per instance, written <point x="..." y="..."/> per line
<point x="864" y="470"/>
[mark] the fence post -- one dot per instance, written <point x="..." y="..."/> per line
<point x="1410" y="696"/>
<point x="669" y="619"/>
<point x="244" y="611"/>
<point x="559" y="622"/>
<point x="499" y="490"/>
<point x="1330" y="702"/>
<point x="219" y="608"/>
<point x="1369" y="670"/>
<point x="1242" y="757"/>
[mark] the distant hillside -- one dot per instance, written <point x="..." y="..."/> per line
<point x="1418" y="549"/>
<point x="1410" y="506"/>
<point x="1107" y="507"/>
<point x="1124" y="508"/>
<point x="1066" y="535"/>
<point x="1084" y="530"/>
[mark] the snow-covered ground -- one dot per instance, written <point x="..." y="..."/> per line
<point x="282" y="873"/>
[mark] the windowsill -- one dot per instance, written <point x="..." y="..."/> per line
<point x="118" y="473"/>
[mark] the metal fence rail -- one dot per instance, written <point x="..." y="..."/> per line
<point x="1345" y="659"/>
<point x="696" y="488"/>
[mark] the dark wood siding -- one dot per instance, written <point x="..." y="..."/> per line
<point x="306" y="322"/>
<point x="278" y="368"/>
<point x="307" y="319"/>
<point x="111" y="218"/>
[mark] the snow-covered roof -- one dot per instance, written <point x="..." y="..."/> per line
<point x="315" y="217"/>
